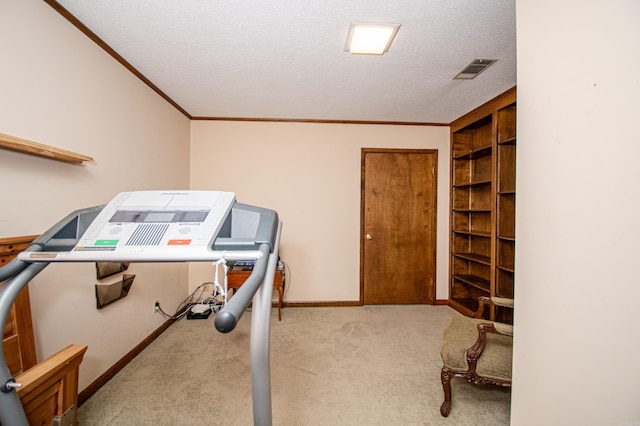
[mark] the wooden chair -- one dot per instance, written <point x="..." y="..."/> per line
<point x="477" y="350"/>
<point x="49" y="391"/>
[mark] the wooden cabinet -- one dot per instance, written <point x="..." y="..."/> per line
<point x="237" y="277"/>
<point x="17" y="339"/>
<point x="483" y="195"/>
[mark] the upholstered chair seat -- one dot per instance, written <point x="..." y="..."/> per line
<point x="477" y="350"/>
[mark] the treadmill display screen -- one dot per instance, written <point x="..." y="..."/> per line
<point x="159" y="217"/>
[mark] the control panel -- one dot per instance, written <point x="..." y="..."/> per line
<point x="152" y="226"/>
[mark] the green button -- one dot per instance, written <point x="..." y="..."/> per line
<point x="107" y="242"/>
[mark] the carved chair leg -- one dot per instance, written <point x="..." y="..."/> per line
<point x="445" y="376"/>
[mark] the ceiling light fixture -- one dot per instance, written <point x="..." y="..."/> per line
<point x="370" y="39"/>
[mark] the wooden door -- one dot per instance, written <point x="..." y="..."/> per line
<point x="398" y="226"/>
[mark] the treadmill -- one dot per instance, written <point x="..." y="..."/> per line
<point x="162" y="226"/>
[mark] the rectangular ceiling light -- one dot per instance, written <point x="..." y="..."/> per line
<point x="370" y="39"/>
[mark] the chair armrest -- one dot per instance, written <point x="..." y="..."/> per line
<point x="498" y="327"/>
<point x="496" y="363"/>
<point x="502" y="328"/>
<point x="474" y="352"/>
<point x="502" y="301"/>
<point x="488" y="301"/>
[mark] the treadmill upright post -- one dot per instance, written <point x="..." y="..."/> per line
<point x="260" y="342"/>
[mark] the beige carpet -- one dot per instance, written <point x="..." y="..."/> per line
<point x="371" y="365"/>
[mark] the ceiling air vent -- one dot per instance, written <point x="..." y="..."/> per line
<point x="474" y="68"/>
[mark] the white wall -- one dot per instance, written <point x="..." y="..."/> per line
<point x="59" y="88"/>
<point x="578" y="288"/>
<point x="310" y="174"/>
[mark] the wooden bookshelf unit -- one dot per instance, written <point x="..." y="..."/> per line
<point x="483" y="194"/>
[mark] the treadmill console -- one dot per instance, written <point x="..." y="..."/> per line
<point x="153" y="226"/>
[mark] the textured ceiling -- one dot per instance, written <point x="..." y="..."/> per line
<point x="285" y="59"/>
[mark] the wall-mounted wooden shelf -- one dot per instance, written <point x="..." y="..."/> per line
<point x="34" y="148"/>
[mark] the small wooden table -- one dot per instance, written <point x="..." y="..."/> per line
<point x="235" y="279"/>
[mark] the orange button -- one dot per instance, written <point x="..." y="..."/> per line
<point x="179" y="242"/>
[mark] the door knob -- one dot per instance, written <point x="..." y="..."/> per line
<point x="369" y="237"/>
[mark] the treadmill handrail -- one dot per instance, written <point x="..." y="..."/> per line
<point x="15" y="265"/>
<point x="228" y="317"/>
